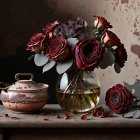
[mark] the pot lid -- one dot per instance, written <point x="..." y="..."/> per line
<point x="26" y="85"/>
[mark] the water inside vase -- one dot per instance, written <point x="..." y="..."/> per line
<point x="79" y="100"/>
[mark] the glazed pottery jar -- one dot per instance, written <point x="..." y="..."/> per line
<point x="25" y="95"/>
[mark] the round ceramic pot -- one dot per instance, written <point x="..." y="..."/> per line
<point x="25" y="95"/>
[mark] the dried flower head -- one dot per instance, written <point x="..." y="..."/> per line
<point x="98" y="112"/>
<point x="74" y="28"/>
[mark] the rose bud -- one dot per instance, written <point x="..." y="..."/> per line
<point x="37" y="42"/>
<point x="50" y="27"/>
<point x="110" y="39"/>
<point x="121" y="55"/>
<point x="101" y="23"/>
<point x="98" y="111"/>
<point x="119" y="99"/>
<point x="88" y="54"/>
<point x="57" y="49"/>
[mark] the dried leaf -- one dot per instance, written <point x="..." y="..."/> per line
<point x="64" y="82"/>
<point x="136" y="115"/>
<point x="129" y="114"/>
<point x="49" y="65"/>
<point x="68" y="115"/>
<point x="15" y="118"/>
<point x="40" y="59"/>
<point x="65" y="117"/>
<point x="46" y="119"/>
<point x="58" y="117"/>
<point x="84" y="117"/>
<point x="108" y="60"/>
<point x="117" y="68"/>
<point x="64" y="65"/>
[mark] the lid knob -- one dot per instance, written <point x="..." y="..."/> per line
<point x="24" y="74"/>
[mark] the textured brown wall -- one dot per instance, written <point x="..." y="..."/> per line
<point x="20" y="19"/>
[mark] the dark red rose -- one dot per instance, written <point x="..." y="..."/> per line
<point x="121" y="55"/>
<point x="98" y="111"/>
<point x="119" y="99"/>
<point x="50" y="27"/>
<point x="37" y="42"/>
<point x="101" y="23"/>
<point x="57" y="49"/>
<point x="110" y="39"/>
<point x="88" y="54"/>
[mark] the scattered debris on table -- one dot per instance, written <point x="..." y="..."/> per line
<point x="46" y="119"/>
<point x="84" y="117"/>
<point x="15" y="118"/>
<point x="58" y="117"/>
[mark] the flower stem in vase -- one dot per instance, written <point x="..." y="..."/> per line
<point x="81" y="93"/>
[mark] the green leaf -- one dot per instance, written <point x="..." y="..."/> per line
<point x="64" y="65"/>
<point x="72" y="41"/>
<point x="40" y="59"/>
<point x="49" y="65"/>
<point x="117" y="68"/>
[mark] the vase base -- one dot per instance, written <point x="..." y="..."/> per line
<point x="78" y="102"/>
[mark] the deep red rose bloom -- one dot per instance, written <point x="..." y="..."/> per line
<point x="98" y="111"/>
<point x="119" y="99"/>
<point x="110" y="39"/>
<point x="88" y="54"/>
<point x="50" y="27"/>
<point x="57" y="49"/>
<point x="101" y="23"/>
<point x="37" y="42"/>
<point x="121" y="55"/>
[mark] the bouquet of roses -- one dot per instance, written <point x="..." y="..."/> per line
<point x="76" y="43"/>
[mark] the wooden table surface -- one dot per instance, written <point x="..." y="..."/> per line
<point x="17" y="126"/>
<point x="50" y="112"/>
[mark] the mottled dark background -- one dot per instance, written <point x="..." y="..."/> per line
<point x="20" y="19"/>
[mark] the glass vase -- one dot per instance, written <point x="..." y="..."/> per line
<point x="77" y="90"/>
